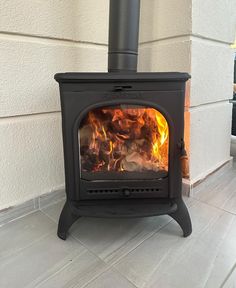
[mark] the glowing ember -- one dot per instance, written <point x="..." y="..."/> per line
<point x="122" y="138"/>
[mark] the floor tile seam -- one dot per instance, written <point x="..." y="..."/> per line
<point x="228" y="276"/>
<point x="147" y="238"/>
<point x="227" y="211"/>
<point x="218" y="246"/>
<point x="20" y="217"/>
<point x="26" y="247"/>
<point x="89" y="250"/>
<point x="218" y="249"/>
<point x="92" y="279"/>
<point x="63" y="198"/>
<point x="83" y="244"/>
<point x="164" y="257"/>
<point x="60" y="269"/>
<point x="211" y="205"/>
<point x="132" y="238"/>
<point x="213" y="220"/>
<point x="215" y="184"/>
<point x="169" y="251"/>
<point x="35" y="209"/>
<point x="134" y="248"/>
<point x="124" y="276"/>
<point x="158" y="266"/>
<point x="103" y="260"/>
<point x="48" y="216"/>
<point x="217" y="191"/>
<point x="211" y="223"/>
<point x="232" y="195"/>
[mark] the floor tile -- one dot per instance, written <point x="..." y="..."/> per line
<point x="53" y="211"/>
<point x="38" y="261"/>
<point x="14" y="212"/>
<point x="219" y="192"/>
<point x="195" y="259"/>
<point x="109" y="279"/>
<point x="231" y="281"/>
<point x="167" y="260"/>
<point x="46" y="200"/>
<point x="144" y="252"/>
<point x="22" y="232"/>
<point x="230" y="204"/>
<point x="111" y="239"/>
<point x="225" y="259"/>
<point x="81" y="270"/>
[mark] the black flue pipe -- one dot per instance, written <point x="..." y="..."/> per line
<point x="123" y="35"/>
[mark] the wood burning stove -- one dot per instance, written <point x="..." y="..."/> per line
<point x="123" y="134"/>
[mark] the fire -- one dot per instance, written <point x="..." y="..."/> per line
<point x="124" y="138"/>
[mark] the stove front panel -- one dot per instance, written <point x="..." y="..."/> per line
<point x="122" y="141"/>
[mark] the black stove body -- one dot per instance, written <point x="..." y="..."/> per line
<point x="123" y="193"/>
<point x="123" y="134"/>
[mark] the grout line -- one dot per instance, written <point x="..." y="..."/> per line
<point x="222" y="240"/>
<point x="19" y="217"/>
<point x="19" y="250"/>
<point x="87" y="248"/>
<point x="34" y="207"/>
<point x="92" y="279"/>
<point x="115" y="262"/>
<point x="124" y="276"/>
<point x="187" y="108"/>
<point x="60" y="269"/>
<point x="201" y="37"/>
<point x="184" y="36"/>
<point x="187" y="36"/>
<point x="203" y="230"/>
<point x="165" y="41"/>
<point x="228" y="276"/>
<point x="209" y="204"/>
<point x="84" y="245"/>
<point x="28" y="115"/>
<point x="16" y="36"/>
<point x="134" y="248"/>
<point x="53" y="202"/>
<point x="203" y="105"/>
<point x="95" y="255"/>
<point x="48" y="216"/>
<point x="33" y="37"/>
<point x="75" y="238"/>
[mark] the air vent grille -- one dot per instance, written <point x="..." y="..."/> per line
<point x="103" y="191"/>
<point x="144" y="190"/>
<point x="132" y="190"/>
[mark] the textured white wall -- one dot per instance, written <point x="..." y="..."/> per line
<point x="41" y="38"/>
<point x="194" y="36"/>
<point x="37" y="40"/>
<point x="213" y="30"/>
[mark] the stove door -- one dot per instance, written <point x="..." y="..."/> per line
<point x="123" y="152"/>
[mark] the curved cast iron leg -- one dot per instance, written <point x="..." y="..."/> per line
<point x="67" y="218"/>
<point x="181" y="216"/>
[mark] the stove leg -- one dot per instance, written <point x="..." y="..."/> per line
<point x="67" y="218"/>
<point x="181" y="216"/>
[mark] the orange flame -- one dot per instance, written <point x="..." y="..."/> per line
<point x="124" y="139"/>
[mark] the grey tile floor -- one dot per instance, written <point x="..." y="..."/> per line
<point x="123" y="253"/>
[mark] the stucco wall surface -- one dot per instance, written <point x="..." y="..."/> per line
<point x="40" y="38"/>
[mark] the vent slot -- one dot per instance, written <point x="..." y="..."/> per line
<point x="132" y="190"/>
<point x="103" y="191"/>
<point x="138" y="190"/>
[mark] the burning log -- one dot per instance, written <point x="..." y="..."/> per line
<point x="114" y="139"/>
<point x="135" y="162"/>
